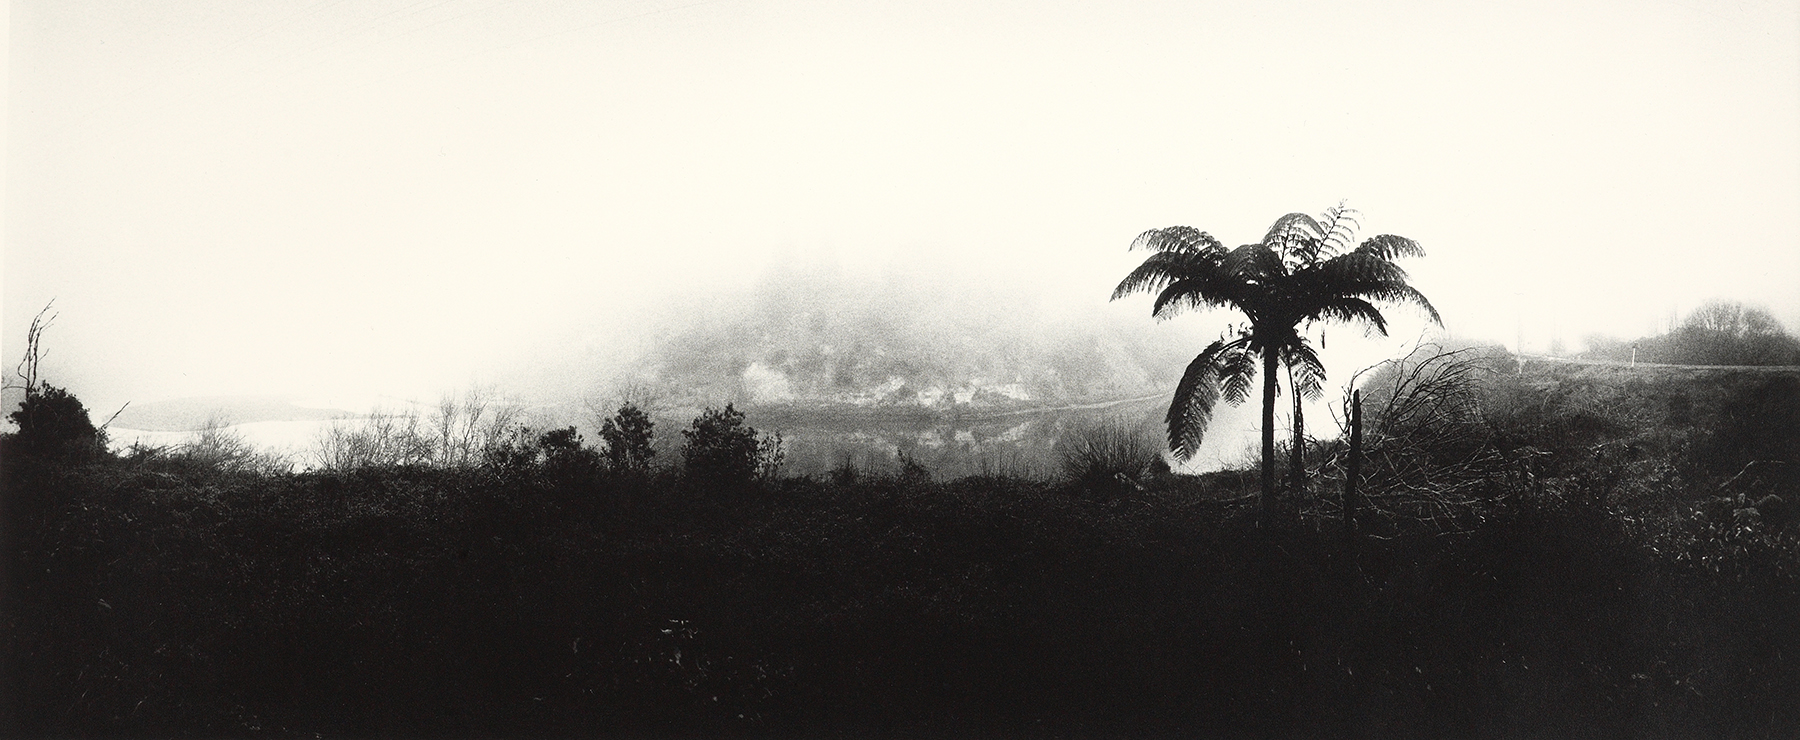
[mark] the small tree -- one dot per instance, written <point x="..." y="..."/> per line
<point x="565" y="457"/>
<point x="52" y="422"/>
<point x="628" y="435"/>
<point x="722" y="449"/>
<point x="461" y="429"/>
<point x="1730" y="333"/>
<point x="1303" y="271"/>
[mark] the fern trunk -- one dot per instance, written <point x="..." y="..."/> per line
<point x="1297" y="453"/>
<point x="1351" y="475"/>
<point x="1268" y="439"/>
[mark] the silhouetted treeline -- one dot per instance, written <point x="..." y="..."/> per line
<point x="1618" y="581"/>
<point x="1718" y="333"/>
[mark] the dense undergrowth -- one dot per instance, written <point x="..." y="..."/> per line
<point x="1603" y="580"/>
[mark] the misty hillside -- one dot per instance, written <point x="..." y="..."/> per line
<point x="818" y="339"/>
<point x="188" y="414"/>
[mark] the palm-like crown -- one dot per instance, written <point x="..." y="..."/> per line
<point x="1303" y="270"/>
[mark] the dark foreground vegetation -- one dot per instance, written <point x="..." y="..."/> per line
<point x="1565" y="553"/>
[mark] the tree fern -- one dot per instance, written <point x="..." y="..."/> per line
<point x="1302" y="271"/>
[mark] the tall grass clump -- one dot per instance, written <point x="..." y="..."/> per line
<point x="1110" y="458"/>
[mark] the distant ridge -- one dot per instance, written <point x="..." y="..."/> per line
<point x="968" y="412"/>
<point x="190" y="414"/>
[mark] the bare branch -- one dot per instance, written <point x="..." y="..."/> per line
<point x="115" y="415"/>
<point x="28" y="365"/>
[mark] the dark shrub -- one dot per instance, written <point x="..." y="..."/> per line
<point x="912" y="472"/>
<point x="1759" y="420"/>
<point x="628" y="436"/>
<point x="846" y="473"/>
<point x="721" y="449"/>
<point x="512" y="453"/>
<point x="54" y="425"/>
<point x="564" y="457"/>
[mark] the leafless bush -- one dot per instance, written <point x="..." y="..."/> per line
<point x="381" y="439"/>
<point x="646" y="398"/>
<point x="462" y="429"/>
<point x="219" y="447"/>
<point x="1429" y="457"/>
<point x="771" y="454"/>
<point x="457" y="433"/>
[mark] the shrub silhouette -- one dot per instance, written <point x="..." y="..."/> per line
<point x="459" y="430"/>
<point x="52" y="422"/>
<point x="54" y="425"/>
<point x="628" y="435"/>
<point x="1716" y="333"/>
<point x="381" y="439"/>
<point x="218" y="448"/>
<point x="721" y="449"/>
<point x="564" y="457"/>
<point x="512" y="452"/>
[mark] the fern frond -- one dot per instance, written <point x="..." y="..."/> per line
<point x="1238" y="373"/>
<point x="1189" y="293"/>
<point x="1403" y="293"/>
<point x="1389" y="246"/>
<point x="1179" y="239"/>
<point x="1291" y="227"/>
<point x="1350" y="274"/>
<point x="1191" y="408"/>
<point x="1308" y="369"/>
<point x="1161" y="269"/>
<point x="1303" y="253"/>
<point x="1254" y="262"/>
<point x="1197" y="394"/>
<point x="1350" y="309"/>
<point x="1339" y="227"/>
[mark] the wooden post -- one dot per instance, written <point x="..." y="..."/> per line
<point x="1266" y="513"/>
<point x="1355" y="464"/>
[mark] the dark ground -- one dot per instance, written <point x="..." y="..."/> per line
<point x="1607" y="594"/>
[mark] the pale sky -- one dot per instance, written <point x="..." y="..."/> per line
<point x="392" y="196"/>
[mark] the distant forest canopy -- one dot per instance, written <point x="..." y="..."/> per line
<point x="1717" y="333"/>
<point x="815" y="338"/>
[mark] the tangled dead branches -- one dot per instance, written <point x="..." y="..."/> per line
<point x="1429" y="458"/>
